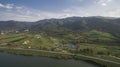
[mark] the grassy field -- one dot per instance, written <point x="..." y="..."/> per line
<point x="28" y="41"/>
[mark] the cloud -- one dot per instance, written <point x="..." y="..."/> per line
<point x="6" y="6"/>
<point x="103" y="2"/>
<point x="113" y="13"/>
<point x="27" y="14"/>
<point x="22" y="13"/>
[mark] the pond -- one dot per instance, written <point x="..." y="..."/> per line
<point x="11" y="60"/>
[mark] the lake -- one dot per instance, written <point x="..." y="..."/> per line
<point x="11" y="60"/>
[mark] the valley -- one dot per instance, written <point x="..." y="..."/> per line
<point x="73" y="37"/>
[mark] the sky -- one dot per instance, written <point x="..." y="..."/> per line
<point x="34" y="10"/>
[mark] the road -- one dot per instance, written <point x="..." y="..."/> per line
<point x="67" y="54"/>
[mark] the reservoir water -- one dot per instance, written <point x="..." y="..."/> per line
<point x="11" y="60"/>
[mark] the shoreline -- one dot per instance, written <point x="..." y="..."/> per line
<point x="59" y="55"/>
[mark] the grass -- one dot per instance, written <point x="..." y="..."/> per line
<point x="11" y="39"/>
<point x="116" y="59"/>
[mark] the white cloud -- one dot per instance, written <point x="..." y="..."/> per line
<point x="113" y="13"/>
<point x="7" y="6"/>
<point x="26" y="14"/>
<point x="78" y="11"/>
<point x="18" y="7"/>
<point x="103" y="2"/>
